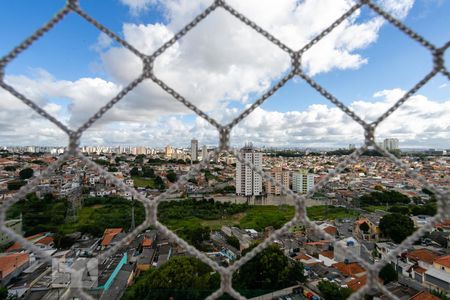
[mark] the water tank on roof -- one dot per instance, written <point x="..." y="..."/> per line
<point x="350" y="243"/>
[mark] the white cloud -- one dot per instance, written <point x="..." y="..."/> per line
<point x="219" y="66"/>
<point x="137" y="6"/>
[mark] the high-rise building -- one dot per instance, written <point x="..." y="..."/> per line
<point x="390" y="144"/>
<point x="168" y="151"/>
<point x="281" y="176"/>
<point x="302" y="181"/>
<point x="194" y="150"/>
<point x="204" y="151"/>
<point x="248" y="182"/>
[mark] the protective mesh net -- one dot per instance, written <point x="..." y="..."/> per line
<point x="151" y="204"/>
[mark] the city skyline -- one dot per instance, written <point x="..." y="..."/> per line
<point x="225" y="84"/>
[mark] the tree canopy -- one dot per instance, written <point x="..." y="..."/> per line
<point x="181" y="277"/>
<point x="332" y="291"/>
<point x="269" y="270"/>
<point x="26" y="173"/>
<point x="388" y="274"/>
<point x="396" y="226"/>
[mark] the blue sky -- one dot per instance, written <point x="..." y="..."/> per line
<point x="68" y="52"/>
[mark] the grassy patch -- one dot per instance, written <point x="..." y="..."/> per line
<point x="373" y="208"/>
<point x="328" y="212"/>
<point x="260" y="217"/>
<point x="144" y="182"/>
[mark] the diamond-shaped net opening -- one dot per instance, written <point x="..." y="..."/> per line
<point x="370" y="285"/>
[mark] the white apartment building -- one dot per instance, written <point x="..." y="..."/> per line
<point x="302" y="181"/>
<point x="249" y="183"/>
<point x="194" y="150"/>
<point x="390" y="144"/>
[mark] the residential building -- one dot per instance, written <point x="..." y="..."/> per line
<point x="169" y="151"/>
<point x="194" y="150"/>
<point x="14" y="225"/>
<point x="11" y="265"/>
<point x="248" y="182"/>
<point x="344" y="246"/>
<point x="390" y="144"/>
<point x="302" y="181"/>
<point x="204" y="151"/>
<point x="281" y="176"/>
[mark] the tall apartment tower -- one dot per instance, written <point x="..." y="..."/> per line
<point x="204" y="151"/>
<point x="281" y="176"/>
<point x="302" y="181"/>
<point x="390" y="144"/>
<point x="249" y="183"/>
<point x="194" y="150"/>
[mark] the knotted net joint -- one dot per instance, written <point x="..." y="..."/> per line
<point x="296" y="62"/>
<point x="224" y="138"/>
<point x="147" y="68"/>
<point x="74" y="142"/>
<point x="438" y="59"/>
<point x="219" y="2"/>
<point x="72" y="4"/>
<point x="369" y="133"/>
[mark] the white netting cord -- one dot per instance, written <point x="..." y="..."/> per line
<point x="150" y="204"/>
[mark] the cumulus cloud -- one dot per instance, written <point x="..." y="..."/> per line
<point x="137" y="6"/>
<point x="221" y="66"/>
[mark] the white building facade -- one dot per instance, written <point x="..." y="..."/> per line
<point x="302" y="181"/>
<point x="249" y="183"/>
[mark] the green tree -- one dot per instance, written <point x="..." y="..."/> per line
<point x="135" y="172"/>
<point x="233" y="241"/>
<point x="159" y="183"/>
<point x="9" y="168"/>
<point x="388" y="274"/>
<point x="269" y="270"/>
<point x="3" y="292"/>
<point x="396" y="226"/>
<point x="26" y="173"/>
<point x="14" y="185"/>
<point x="332" y="291"/>
<point x="364" y="227"/>
<point x="171" y="176"/>
<point x="181" y="277"/>
<point x="112" y="169"/>
<point x="196" y="235"/>
<point x="148" y="172"/>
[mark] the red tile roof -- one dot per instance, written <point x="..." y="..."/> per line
<point x="423" y="254"/>
<point x="357" y="283"/>
<point x="31" y="238"/>
<point x="328" y="254"/>
<point x="109" y="234"/>
<point x="424" y="295"/>
<point x="350" y="269"/>
<point x="443" y="260"/>
<point x="331" y="230"/>
<point x="419" y="270"/>
<point x="10" y="262"/>
<point x="147" y="242"/>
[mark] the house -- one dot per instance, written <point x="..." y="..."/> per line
<point x="442" y="263"/>
<point x="327" y="257"/>
<point x="42" y="240"/>
<point x="424" y="295"/>
<point x="11" y="265"/>
<point x="111" y="235"/>
<point x="437" y="280"/>
<point x="350" y="269"/>
<point x="146" y="258"/>
<point x="341" y="248"/>
<point x="372" y="221"/>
